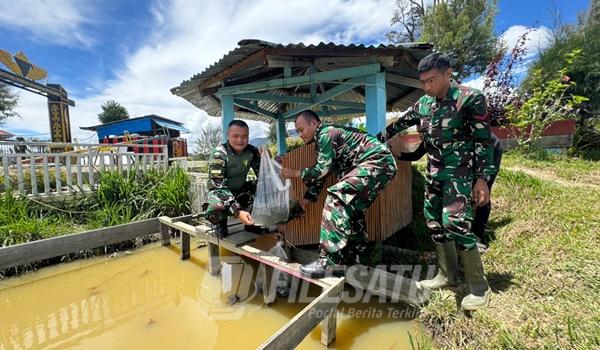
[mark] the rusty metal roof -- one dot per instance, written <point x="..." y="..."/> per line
<point x="257" y="60"/>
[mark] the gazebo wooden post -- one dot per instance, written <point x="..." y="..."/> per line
<point x="375" y="102"/>
<point x="227" y="113"/>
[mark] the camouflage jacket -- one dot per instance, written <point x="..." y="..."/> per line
<point x="227" y="170"/>
<point x="341" y="149"/>
<point x="455" y="132"/>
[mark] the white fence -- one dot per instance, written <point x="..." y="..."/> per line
<point x="42" y="168"/>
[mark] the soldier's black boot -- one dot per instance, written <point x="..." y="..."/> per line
<point x="322" y="267"/>
<point x="221" y="229"/>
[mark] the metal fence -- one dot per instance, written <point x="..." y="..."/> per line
<point x="42" y="168"/>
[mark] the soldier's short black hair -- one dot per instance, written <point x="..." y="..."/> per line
<point x="237" y="122"/>
<point x="435" y="60"/>
<point x="308" y="115"/>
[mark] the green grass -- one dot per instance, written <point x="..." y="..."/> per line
<point x="561" y="166"/>
<point x="542" y="265"/>
<point x="118" y="199"/>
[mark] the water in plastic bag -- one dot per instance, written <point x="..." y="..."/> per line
<point x="271" y="201"/>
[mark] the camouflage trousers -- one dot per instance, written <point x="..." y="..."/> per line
<point x="220" y="203"/>
<point x="448" y="210"/>
<point x="343" y="232"/>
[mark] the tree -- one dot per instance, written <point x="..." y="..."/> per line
<point x="587" y="72"/>
<point x="409" y="15"/>
<point x="8" y="102"/>
<point x="112" y="111"/>
<point x="549" y="101"/>
<point x="500" y="85"/>
<point x="585" y="75"/>
<point x="464" y="29"/>
<point x="209" y="138"/>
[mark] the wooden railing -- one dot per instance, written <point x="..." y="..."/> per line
<point x="42" y="168"/>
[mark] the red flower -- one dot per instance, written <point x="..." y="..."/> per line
<point x="566" y="79"/>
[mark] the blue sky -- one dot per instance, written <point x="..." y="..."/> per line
<point x="135" y="51"/>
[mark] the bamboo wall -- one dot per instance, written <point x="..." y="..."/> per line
<point x="390" y="212"/>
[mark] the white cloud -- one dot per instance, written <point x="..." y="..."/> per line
<point x="190" y="36"/>
<point x="537" y="40"/>
<point x="57" y="21"/>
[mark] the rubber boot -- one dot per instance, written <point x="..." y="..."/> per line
<point x="221" y="229"/>
<point x="447" y="267"/>
<point x="479" y="289"/>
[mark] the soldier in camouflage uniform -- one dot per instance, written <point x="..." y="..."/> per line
<point x="365" y="167"/>
<point x="229" y="193"/>
<point x="454" y="127"/>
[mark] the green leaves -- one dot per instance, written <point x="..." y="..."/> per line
<point x="112" y="111"/>
<point x="548" y="101"/>
<point x="464" y="29"/>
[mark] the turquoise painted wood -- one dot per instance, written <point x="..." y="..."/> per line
<point x="227" y="113"/>
<point x="376" y="102"/>
<point x="338" y="74"/>
<point x="344" y="111"/>
<point x="280" y="127"/>
<point x="329" y="94"/>
<point x="295" y="100"/>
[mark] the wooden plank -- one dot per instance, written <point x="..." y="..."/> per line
<point x="328" y="328"/>
<point x="101" y="166"/>
<point x="21" y="184"/>
<point x="48" y="248"/>
<point x="57" y="174"/>
<point x="166" y="237"/>
<point x="90" y="167"/>
<point x="295" y="330"/>
<point x="269" y="285"/>
<point x="402" y="80"/>
<point x="338" y="74"/>
<point x="34" y="190"/>
<point x="79" y="173"/>
<point x="111" y="162"/>
<point x="392" y="286"/>
<point x="185" y="245"/>
<point x="214" y="261"/>
<point x="69" y="173"/>
<point x="46" y="174"/>
<point x="253" y="58"/>
<point x="240" y="238"/>
<point x="7" y="182"/>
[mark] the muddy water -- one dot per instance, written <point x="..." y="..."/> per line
<point x="152" y="300"/>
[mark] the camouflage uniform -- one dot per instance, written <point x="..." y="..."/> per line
<point x="364" y="166"/>
<point x="229" y="192"/>
<point x="456" y="134"/>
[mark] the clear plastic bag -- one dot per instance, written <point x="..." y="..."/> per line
<point x="272" y="197"/>
<point x="283" y="279"/>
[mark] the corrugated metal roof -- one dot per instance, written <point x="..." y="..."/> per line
<point x="133" y="125"/>
<point x="188" y="89"/>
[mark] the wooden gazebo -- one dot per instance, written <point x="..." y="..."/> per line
<point x="272" y="82"/>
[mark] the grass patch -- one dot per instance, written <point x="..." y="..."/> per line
<point x="118" y="199"/>
<point x="543" y="266"/>
<point x="561" y="166"/>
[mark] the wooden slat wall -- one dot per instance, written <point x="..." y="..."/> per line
<point x="390" y="212"/>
